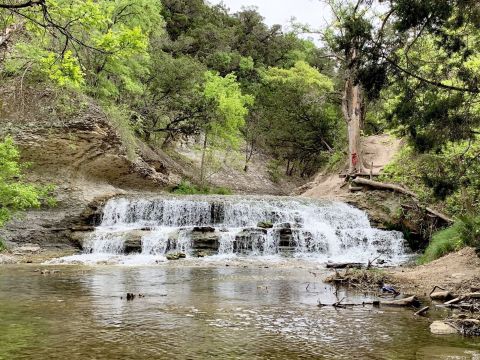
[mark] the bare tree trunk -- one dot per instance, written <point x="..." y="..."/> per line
<point x="353" y="110"/>
<point x="203" y="163"/>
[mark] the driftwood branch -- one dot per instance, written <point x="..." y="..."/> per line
<point x="384" y="186"/>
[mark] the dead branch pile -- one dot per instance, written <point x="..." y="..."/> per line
<point x="361" y="279"/>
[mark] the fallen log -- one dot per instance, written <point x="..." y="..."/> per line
<point x="399" y="189"/>
<point x="350" y="265"/>
<point x="384" y="186"/>
<point x="408" y="301"/>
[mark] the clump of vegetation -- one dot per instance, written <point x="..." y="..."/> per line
<point x="465" y="232"/>
<point x="15" y="194"/>
<point x="3" y="247"/>
<point x="443" y="242"/>
<point x="470" y="231"/>
<point x="187" y="188"/>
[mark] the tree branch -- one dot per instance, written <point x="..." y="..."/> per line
<point x="23" y="5"/>
<point x="431" y="82"/>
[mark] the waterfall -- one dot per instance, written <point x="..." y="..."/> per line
<point x="214" y="226"/>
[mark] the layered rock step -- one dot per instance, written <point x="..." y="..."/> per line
<point x="208" y="239"/>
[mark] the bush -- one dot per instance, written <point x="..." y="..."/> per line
<point x="187" y="188"/>
<point x="465" y="232"/>
<point x="3" y="247"/>
<point x="273" y="169"/>
<point x="470" y="230"/>
<point x="443" y="242"/>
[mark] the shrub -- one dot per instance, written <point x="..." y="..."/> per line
<point x="442" y="243"/>
<point x="470" y="230"/>
<point x="3" y="247"/>
<point x="187" y="188"/>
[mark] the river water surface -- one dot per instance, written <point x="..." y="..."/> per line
<point x="247" y="311"/>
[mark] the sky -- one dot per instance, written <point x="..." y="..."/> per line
<point x="312" y="12"/>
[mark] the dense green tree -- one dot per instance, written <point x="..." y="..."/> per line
<point x="230" y="107"/>
<point x="300" y="135"/>
<point x="103" y="45"/>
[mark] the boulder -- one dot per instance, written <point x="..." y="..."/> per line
<point x="441" y="328"/>
<point x="204" y="240"/>
<point x="441" y="295"/>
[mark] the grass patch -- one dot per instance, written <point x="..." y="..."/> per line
<point x="187" y="188"/>
<point x="443" y="242"/>
<point x="465" y="232"/>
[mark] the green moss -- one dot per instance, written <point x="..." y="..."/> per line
<point x="187" y="188"/>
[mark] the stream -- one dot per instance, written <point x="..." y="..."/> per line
<point x="195" y="312"/>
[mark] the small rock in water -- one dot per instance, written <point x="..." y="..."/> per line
<point x="442" y="328"/>
<point x="130" y="296"/>
<point x="176" y="256"/>
<point x="265" y="225"/>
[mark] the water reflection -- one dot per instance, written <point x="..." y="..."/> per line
<point x="198" y="313"/>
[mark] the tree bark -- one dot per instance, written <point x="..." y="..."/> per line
<point x="202" y="165"/>
<point x="354" y="112"/>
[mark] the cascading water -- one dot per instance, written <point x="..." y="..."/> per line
<point x="147" y="229"/>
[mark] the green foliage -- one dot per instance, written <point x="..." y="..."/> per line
<point x="3" y="247"/>
<point x="187" y="188"/>
<point x="230" y="106"/>
<point x="274" y="171"/>
<point x="469" y="230"/>
<point x="465" y="232"/>
<point x="106" y="48"/>
<point x="448" y="177"/>
<point x="299" y="135"/>
<point x="15" y="194"/>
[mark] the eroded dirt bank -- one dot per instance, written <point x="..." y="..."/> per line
<point x="456" y="272"/>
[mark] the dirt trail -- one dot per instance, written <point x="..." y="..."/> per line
<point x="377" y="149"/>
